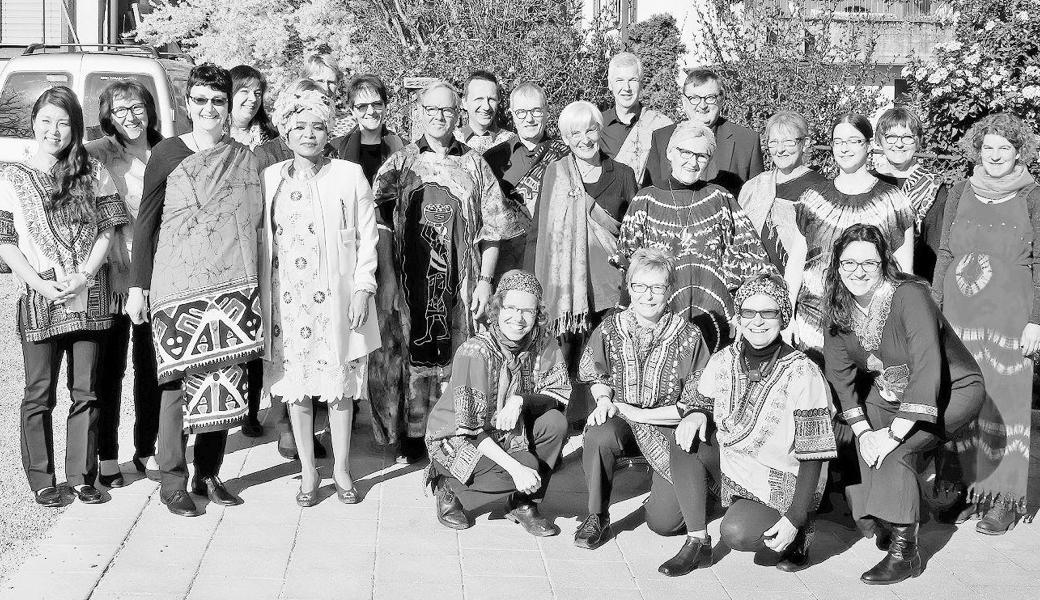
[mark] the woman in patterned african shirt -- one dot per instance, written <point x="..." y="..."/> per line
<point x="58" y="213"/>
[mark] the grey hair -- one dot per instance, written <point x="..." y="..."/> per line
<point x="625" y="59"/>
<point x="790" y="120"/>
<point x="692" y="130"/>
<point x="651" y="259"/>
<point x="312" y="63"/>
<point x="528" y="89"/>
<point x="438" y="85"/>
<point x="578" y="115"/>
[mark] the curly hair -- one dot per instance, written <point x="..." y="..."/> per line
<point x="495" y="306"/>
<point x="1006" y="126"/>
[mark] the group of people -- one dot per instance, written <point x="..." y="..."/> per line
<point x="760" y="337"/>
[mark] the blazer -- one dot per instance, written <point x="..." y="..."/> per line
<point x="348" y="147"/>
<point x="737" y="157"/>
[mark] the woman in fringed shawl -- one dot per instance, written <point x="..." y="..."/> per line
<point x="773" y="413"/>
<point x="923" y="390"/>
<point x="194" y="271"/>
<point x="58" y="213"/>
<point x="643" y="364"/>
<point x="987" y="281"/>
<point x="499" y="427"/>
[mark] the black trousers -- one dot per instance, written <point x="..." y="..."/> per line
<point x="745" y="524"/>
<point x="42" y="365"/>
<point x="173" y="442"/>
<point x="546" y="433"/>
<point x="255" y="374"/>
<point x="110" y="372"/>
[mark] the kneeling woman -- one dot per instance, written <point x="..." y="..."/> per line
<point x="926" y="387"/>
<point x="773" y="414"/>
<point x="498" y="429"/>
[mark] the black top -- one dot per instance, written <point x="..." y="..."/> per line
<point x="166" y="155"/>
<point x="614" y="132"/>
<point x="615" y="188"/>
<point x="371" y="158"/>
<point x="511" y="160"/>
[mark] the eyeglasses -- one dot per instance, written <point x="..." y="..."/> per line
<point x="521" y="114"/>
<point x="869" y="266"/>
<point x="906" y="139"/>
<point x="747" y="313"/>
<point x="363" y="108"/>
<point x="441" y="111"/>
<point x="528" y="313"/>
<point x="642" y="288"/>
<point x="687" y="155"/>
<point x="855" y="142"/>
<point x="785" y="144"/>
<point x="710" y="99"/>
<point x="120" y="113"/>
<point x="199" y="101"/>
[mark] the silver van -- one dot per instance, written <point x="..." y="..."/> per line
<point x="87" y="69"/>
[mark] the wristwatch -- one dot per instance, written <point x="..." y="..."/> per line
<point x="892" y="434"/>
<point x="485" y="278"/>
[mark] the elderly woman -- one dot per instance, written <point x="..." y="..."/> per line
<point x="900" y="132"/>
<point x="713" y="244"/>
<point x="643" y="363"/>
<point x="987" y="281"/>
<point x="924" y="389"/>
<point x="131" y="126"/>
<point x="768" y="199"/>
<point x="825" y="210"/>
<point x="317" y="286"/>
<point x="249" y="124"/>
<point x="498" y="429"/>
<point x="773" y="413"/>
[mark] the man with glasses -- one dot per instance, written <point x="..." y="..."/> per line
<point x="738" y="157"/>
<point x="483" y="96"/>
<point x="520" y="163"/>
<point x="441" y="217"/>
<point x="713" y="243"/>
<point x="629" y="126"/>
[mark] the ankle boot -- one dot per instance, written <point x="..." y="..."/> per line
<point x="696" y="552"/>
<point x="796" y="556"/>
<point x="903" y="560"/>
<point x="449" y="509"/>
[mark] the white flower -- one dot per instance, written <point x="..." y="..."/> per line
<point x="1031" y="91"/>
<point x="1023" y="15"/>
<point x="990" y="25"/>
<point x="934" y="78"/>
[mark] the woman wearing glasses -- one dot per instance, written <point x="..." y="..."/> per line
<point x="773" y="412"/>
<point x="899" y="133"/>
<point x="987" y="281"/>
<point x="925" y="389"/>
<point x="825" y="210"/>
<point x="194" y="272"/>
<point x="131" y="126"/>
<point x="768" y="199"/>
<point x="643" y="364"/>
<point x="713" y="244"/>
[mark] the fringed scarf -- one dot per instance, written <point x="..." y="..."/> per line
<point x="635" y="150"/>
<point x="529" y="187"/>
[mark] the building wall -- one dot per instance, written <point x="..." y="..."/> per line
<point x="24" y="22"/>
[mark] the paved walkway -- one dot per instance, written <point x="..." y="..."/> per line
<point x="390" y="546"/>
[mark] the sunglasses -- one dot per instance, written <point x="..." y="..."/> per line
<point x="747" y="313"/>
<point x="217" y="102"/>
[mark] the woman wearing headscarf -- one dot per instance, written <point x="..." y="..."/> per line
<point x="317" y="283"/>
<point x="987" y="281"/>
<point x="498" y="429"/>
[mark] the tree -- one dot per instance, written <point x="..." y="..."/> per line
<point x="657" y="43"/>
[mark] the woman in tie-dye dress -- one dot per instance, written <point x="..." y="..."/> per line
<point x="824" y="211"/>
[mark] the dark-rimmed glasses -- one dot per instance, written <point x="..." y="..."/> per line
<point x="441" y="111"/>
<point x="136" y="109"/>
<point x="869" y="266"/>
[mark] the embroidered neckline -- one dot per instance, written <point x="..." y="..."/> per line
<point x="868" y="327"/>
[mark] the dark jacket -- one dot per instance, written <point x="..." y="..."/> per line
<point x="737" y="157"/>
<point x="348" y="147"/>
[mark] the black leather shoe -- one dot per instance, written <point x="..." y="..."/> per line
<point x="48" y="496"/>
<point x="213" y="488"/>
<point x="180" y="503"/>
<point x="997" y="520"/>
<point x="89" y="494"/>
<point x="287" y="445"/>
<point x="592" y="532"/>
<point x="449" y="509"/>
<point x="111" y="481"/>
<point x="903" y="560"/>
<point x="796" y="556"/>
<point x="695" y="552"/>
<point x="252" y="428"/>
<point x="525" y="512"/>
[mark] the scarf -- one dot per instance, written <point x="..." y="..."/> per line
<point x="571" y="223"/>
<point x="993" y="188"/>
<point x="635" y="150"/>
<point x="921" y="187"/>
<point x="529" y="187"/>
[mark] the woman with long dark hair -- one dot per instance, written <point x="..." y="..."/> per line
<point x="131" y="126"/>
<point x="58" y="212"/>
<point x="925" y="388"/>
<point x="249" y="123"/>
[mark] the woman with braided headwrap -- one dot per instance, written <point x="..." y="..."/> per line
<point x="318" y="280"/>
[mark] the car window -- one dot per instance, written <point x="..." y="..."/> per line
<point x="179" y="83"/>
<point x="96" y="83"/>
<point x="20" y="92"/>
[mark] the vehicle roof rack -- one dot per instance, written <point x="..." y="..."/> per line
<point x="39" y="48"/>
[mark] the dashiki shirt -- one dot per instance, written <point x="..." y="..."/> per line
<point x="766" y="428"/>
<point x="56" y="245"/>
<point x="484" y="375"/>
<point x="770" y="207"/>
<point x="482" y="143"/>
<point x="822" y="214"/>
<point x="927" y="196"/>
<point x="713" y="244"/>
<point x="648" y="367"/>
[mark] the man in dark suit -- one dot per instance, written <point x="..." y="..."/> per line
<point x="739" y="153"/>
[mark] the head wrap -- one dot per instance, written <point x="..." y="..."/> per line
<point x="291" y="103"/>
<point x="522" y="281"/>
<point x="689" y="131"/>
<point x="770" y="285"/>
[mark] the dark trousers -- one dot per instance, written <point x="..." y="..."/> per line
<point x="42" y="364"/>
<point x="255" y="375"/>
<point x="111" y="369"/>
<point x="173" y="442"/>
<point x="745" y="524"/>
<point x="681" y="506"/>
<point x="546" y="433"/>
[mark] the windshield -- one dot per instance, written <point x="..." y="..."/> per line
<point x="95" y="84"/>
<point x="19" y="94"/>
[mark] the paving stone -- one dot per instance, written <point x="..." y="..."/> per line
<point x="506" y="588"/>
<point x="411" y="591"/>
<point x="301" y="584"/>
<point x="491" y="536"/>
<point x="600" y="593"/>
<point x="71" y="585"/>
<point x="579" y="573"/>
<point x="503" y="563"/>
<point x="429" y="569"/>
<point x="234" y="588"/>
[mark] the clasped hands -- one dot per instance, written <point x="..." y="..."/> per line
<point x="60" y="292"/>
<point x="874" y="446"/>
